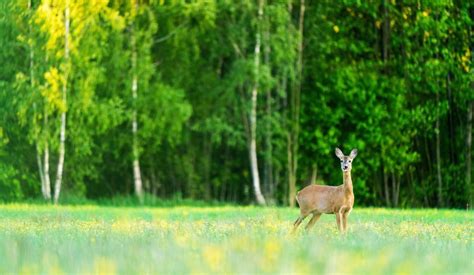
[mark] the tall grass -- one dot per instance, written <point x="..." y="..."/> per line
<point x="88" y="239"/>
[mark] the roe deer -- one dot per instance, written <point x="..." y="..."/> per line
<point x="323" y="199"/>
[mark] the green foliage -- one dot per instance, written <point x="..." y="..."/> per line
<point x="10" y="188"/>
<point x="376" y="88"/>
<point x="9" y="184"/>
<point x="385" y="77"/>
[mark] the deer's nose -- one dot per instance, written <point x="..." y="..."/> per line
<point x="345" y="167"/>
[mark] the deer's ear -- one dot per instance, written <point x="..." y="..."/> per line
<point x="353" y="153"/>
<point x="339" y="153"/>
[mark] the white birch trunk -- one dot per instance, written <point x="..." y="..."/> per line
<point x="43" y="168"/>
<point x="253" y="116"/>
<point x="62" y="139"/>
<point x="47" y="181"/>
<point x="137" y="178"/>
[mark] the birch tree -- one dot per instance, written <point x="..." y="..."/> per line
<point x="43" y="165"/>
<point x="141" y="28"/>
<point x="54" y="20"/>
<point x="253" y="113"/>
<point x="79" y="44"/>
<point x="31" y="108"/>
<point x="137" y="178"/>
<point x="62" y="135"/>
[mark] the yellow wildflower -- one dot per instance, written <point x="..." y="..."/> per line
<point x="213" y="256"/>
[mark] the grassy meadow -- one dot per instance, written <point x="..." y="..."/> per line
<point x="107" y="240"/>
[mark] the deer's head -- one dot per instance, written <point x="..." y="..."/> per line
<point x="346" y="161"/>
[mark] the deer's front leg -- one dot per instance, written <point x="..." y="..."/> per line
<point x="339" y="221"/>
<point x="344" y="218"/>
<point x="341" y="218"/>
<point x="344" y="221"/>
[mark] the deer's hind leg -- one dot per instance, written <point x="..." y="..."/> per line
<point x="313" y="220"/>
<point x="299" y="221"/>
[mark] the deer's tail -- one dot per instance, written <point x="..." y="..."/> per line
<point x="296" y="198"/>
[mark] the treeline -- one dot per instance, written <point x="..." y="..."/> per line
<point x="239" y="101"/>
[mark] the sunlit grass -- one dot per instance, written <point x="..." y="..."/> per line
<point x="95" y="239"/>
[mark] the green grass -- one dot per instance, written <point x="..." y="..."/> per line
<point x="94" y="239"/>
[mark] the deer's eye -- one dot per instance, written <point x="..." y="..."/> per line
<point x="350" y="161"/>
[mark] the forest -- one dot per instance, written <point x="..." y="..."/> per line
<point x="236" y="101"/>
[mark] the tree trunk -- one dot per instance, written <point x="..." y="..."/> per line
<point x="291" y="173"/>
<point x="269" y="186"/>
<point x="469" y="185"/>
<point x="438" y="158"/>
<point x="386" y="189"/>
<point x="62" y="138"/>
<point x="394" y="203"/>
<point x="223" y="196"/>
<point x="32" y="85"/>
<point x="295" y="113"/>
<point x="253" y="115"/>
<point x="207" y="160"/>
<point x="314" y="174"/>
<point x="40" y="170"/>
<point x="395" y="189"/>
<point x="287" y="105"/>
<point x="428" y="156"/>
<point x="451" y="127"/>
<point x="47" y="180"/>
<point x="137" y="176"/>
